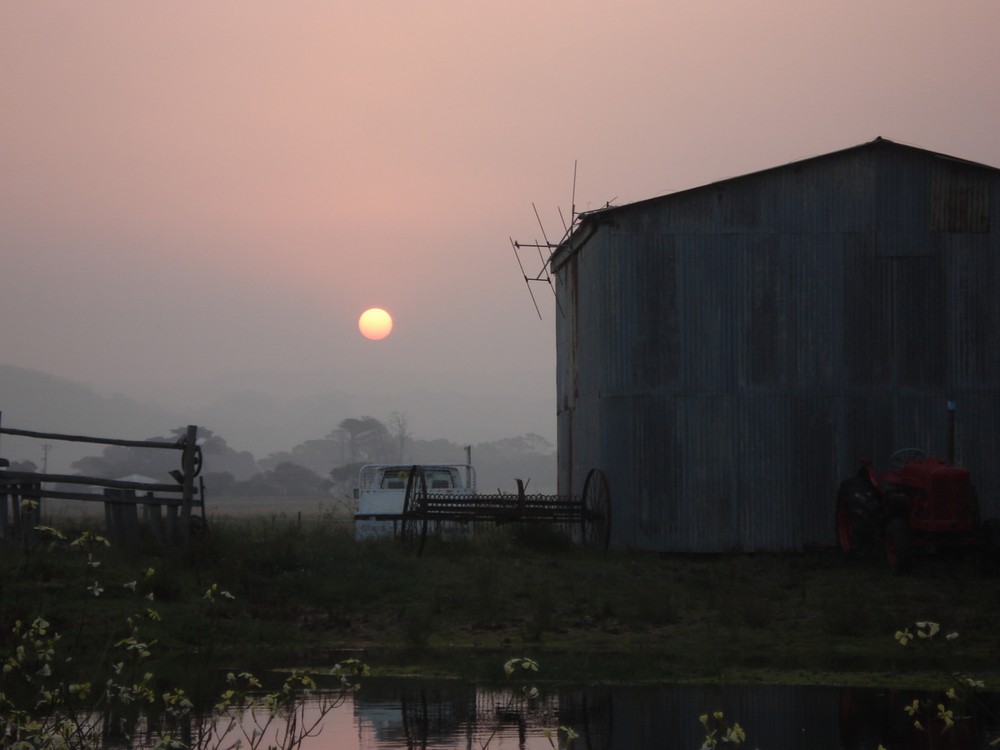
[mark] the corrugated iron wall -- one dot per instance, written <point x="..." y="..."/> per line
<point x="729" y="353"/>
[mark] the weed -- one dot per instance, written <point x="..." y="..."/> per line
<point x="799" y="611"/>
<point x="50" y="698"/>
<point x="518" y="702"/>
<point x="936" y="716"/>
<point x="719" y="732"/>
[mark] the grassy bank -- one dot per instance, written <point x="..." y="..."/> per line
<point x="305" y="593"/>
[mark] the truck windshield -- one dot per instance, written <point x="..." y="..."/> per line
<point x="437" y="479"/>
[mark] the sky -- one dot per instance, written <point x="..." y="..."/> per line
<point x="191" y="190"/>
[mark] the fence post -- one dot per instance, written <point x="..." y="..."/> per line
<point x="187" y="486"/>
<point x="4" y="498"/>
<point x="154" y="520"/>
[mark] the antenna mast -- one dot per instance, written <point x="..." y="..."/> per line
<point x="543" y="274"/>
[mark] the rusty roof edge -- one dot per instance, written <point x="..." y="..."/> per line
<point x="575" y="242"/>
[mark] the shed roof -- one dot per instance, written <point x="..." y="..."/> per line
<point x="588" y="220"/>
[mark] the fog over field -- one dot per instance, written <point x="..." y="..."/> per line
<point x="199" y="200"/>
<point x="261" y="412"/>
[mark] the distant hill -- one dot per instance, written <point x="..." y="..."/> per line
<point x="268" y="411"/>
<point x="32" y="400"/>
<point x="264" y="422"/>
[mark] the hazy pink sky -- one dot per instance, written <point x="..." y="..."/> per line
<point x="212" y="187"/>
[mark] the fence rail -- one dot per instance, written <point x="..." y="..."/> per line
<point x="22" y="492"/>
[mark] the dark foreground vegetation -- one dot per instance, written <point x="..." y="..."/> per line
<point x="291" y="592"/>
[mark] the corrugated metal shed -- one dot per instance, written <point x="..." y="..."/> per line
<point x="728" y="353"/>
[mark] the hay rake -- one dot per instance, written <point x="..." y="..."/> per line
<point x="591" y="510"/>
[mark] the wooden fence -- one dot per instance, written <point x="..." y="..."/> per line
<point x="166" y="508"/>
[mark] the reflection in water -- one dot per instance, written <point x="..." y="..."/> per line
<point x="393" y="715"/>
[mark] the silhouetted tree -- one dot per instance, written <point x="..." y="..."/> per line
<point x="529" y="457"/>
<point x="293" y="479"/>
<point x="399" y="429"/>
<point x="316" y="455"/>
<point x="219" y="457"/>
<point x="218" y="483"/>
<point x="118" y="461"/>
<point x="284" y="479"/>
<point x="369" y="440"/>
<point x="346" y="473"/>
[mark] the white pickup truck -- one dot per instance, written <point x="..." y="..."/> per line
<point x="381" y="491"/>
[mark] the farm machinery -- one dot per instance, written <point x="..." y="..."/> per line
<point x="920" y="504"/>
<point x="404" y="501"/>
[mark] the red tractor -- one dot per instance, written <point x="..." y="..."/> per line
<point x="919" y="504"/>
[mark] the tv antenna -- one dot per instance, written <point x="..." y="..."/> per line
<point x="544" y="275"/>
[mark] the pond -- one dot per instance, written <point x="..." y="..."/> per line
<point x="394" y="714"/>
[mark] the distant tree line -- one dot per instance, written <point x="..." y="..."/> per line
<point x="330" y="465"/>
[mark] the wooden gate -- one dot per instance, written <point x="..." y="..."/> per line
<point x="166" y="508"/>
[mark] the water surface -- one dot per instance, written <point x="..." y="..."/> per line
<point x="391" y="714"/>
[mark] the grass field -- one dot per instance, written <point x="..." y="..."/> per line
<point x="305" y="593"/>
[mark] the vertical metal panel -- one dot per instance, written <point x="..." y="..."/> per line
<point x="921" y="318"/>
<point x="866" y="313"/>
<point x="761" y="322"/>
<point x="637" y="442"/>
<point x="973" y="280"/>
<point x="630" y="316"/>
<point x="705" y="293"/>
<point x="567" y="337"/>
<point x="977" y="445"/>
<point x="706" y="494"/>
<point x="866" y="428"/>
<point x="815" y="467"/>
<point x="815" y="299"/>
<point x="768" y="519"/>
<point x="902" y="191"/>
<point x="729" y="353"/>
<point x="960" y="198"/>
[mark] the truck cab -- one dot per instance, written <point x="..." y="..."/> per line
<point x="381" y="492"/>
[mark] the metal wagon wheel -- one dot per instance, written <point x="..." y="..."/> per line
<point x="197" y="460"/>
<point x="414" y="522"/>
<point x="596" y="502"/>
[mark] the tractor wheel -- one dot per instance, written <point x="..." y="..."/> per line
<point x="898" y="548"/>
<point x="857" y="517"/>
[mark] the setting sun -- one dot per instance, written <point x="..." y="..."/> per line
<point x="375" y="323"/>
